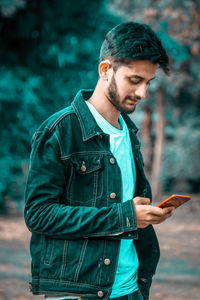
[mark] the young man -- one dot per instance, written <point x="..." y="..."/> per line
<point x="88" y="202"/>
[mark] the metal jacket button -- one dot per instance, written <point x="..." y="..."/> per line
<point x="83" y="167"/>
<point x="112" y="161"/>
<point x="107" y="261"/>
<point x="100" y="294"/>
<point x="101" y="136"/>
<point x="113" y="195"/>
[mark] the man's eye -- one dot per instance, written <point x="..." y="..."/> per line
<point x="134" y="81"/>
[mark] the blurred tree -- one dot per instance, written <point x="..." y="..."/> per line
<point x="9" y="7"/>
<point x="177" y="23"/>
<point x="49" y="50"/>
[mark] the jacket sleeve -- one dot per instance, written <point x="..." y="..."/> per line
<point x="46" y="214"/>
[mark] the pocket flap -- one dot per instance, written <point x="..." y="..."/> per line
<point x="87" y="164"/>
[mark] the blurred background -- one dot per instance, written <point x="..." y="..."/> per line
<point x="48" y="51"/>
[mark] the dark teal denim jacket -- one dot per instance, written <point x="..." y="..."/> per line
<point x="74" y="209"/>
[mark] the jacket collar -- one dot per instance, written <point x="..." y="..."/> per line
<point x="130" y="124"/>
<point x="88" y="125"/>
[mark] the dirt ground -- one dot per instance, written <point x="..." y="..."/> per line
<point x="178" y="273"/>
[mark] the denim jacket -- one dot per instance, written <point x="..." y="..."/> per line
<point x="74" y="208"/>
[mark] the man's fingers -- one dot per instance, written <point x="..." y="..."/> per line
<point x="141" y="201"/>
<point x="167" y="210"/>
<point x="157" y="211"/>
<point x="162" y="215"/>
<point x="147" y="214"/>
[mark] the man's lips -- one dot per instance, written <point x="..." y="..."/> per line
<point x="134" y="101"/>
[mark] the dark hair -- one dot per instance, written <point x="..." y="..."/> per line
<point x="133" y="41"/>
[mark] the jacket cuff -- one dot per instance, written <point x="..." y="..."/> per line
<point x="127" y="216"/>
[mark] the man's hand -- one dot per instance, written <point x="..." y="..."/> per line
<point x="147" y="214"/>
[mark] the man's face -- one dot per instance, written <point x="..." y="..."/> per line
<point x="129" y="84"/>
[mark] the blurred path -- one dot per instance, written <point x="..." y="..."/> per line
<point x="178" y="274"/>
<point x="14" y="260"/>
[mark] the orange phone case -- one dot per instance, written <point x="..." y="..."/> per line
<point x="174" y="200"/>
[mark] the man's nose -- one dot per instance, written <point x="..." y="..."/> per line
<point x="141" y="91"/>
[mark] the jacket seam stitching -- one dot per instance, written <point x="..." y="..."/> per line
<point x="100" y="192"/>
<point x="65" y="157"/>
<point x="103" y="257"/>
<point x="66" y="281"/>
<point x="80" y="260"/>
<point x="107" y="192"/>
<point x="95" y="190"/>
<point x="69" y="186"/>
<point x="78" y="236"/>
<point x="64" y="258"/>
<point x="60" y="118"/>
<point x="52" y="248"/>
<point x="120" y="216"/>
<point x="37" y="132"/>
<point x="58" y="144"/>
<point x="79" y="118"/>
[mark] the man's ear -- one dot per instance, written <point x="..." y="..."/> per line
<point x="104" y="69"/>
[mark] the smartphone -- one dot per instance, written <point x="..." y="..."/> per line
<point x="174" y="200"/>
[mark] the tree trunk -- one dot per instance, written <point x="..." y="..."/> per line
<point x="146" y="140"/>
<point x="158" y="144"/>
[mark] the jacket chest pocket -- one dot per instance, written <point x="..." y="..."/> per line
<point x="86" y="180"/>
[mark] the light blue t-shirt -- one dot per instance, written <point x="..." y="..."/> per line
<point x="120" y="145"/>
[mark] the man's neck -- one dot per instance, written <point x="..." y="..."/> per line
<point x="100" y="101"/>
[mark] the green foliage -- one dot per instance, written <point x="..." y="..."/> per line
<point x="10" y="7"/>
<point x="49" y="51"/>
<point x="178" y="52"/>
<point x="177" y="24"/>
<point x="181" y="157"/>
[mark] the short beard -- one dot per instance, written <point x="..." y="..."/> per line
<point x="114" y="97"/>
